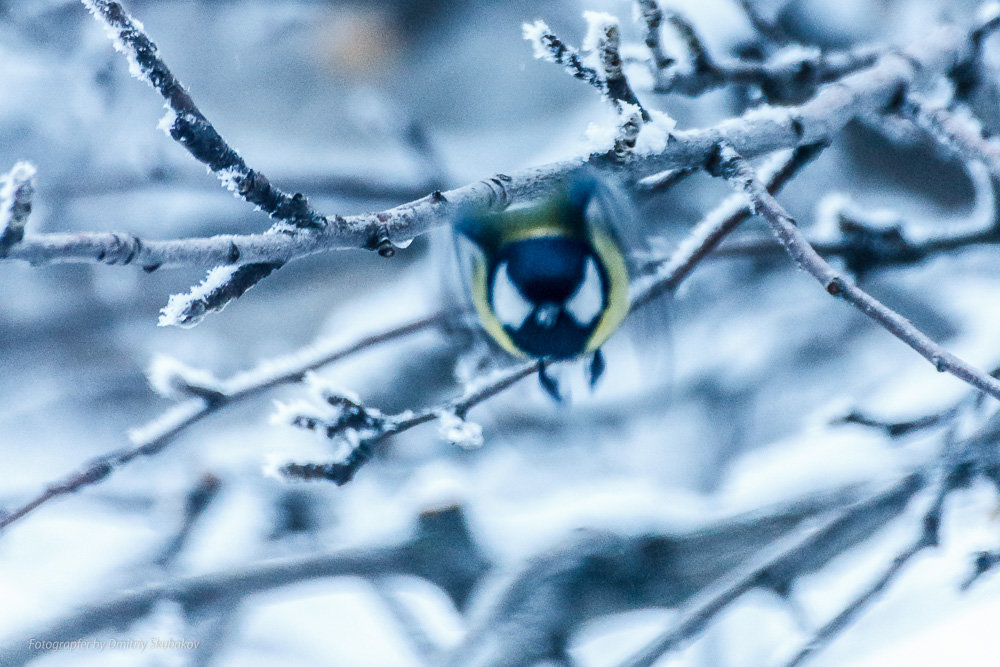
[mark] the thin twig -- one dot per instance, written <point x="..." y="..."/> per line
<point x="896" y="429"/>
<point x="409" y="623"/>
<point x="667" y="274"/>
<point x="949" y="474"/>
<point x="903" y="253"/>
<point x="780" y="78"/>
<point x="190" y="128"/>
<point x="739" y="173"/>
<point x="962" y="135"/>
<point x="984" y="562"/>
<point x="604" y="38"/>
<point x="197" y="502"/>
<point x="775" y="566"/>
<point x="768" y="29"/>
<point x="702" y="62"/>
<point x="652" y="17"/>
<point x="659" y="183"/>
<point x="377" y="429"/>
<point x="155" y="436"/>
<point x="551" y="48"/>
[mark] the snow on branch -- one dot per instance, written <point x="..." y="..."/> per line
<point x="600" y="65"/>
<point x="16" y="194"/>
<point x="222" y="285"/>
<point x="955" y="131"/>
<point x="175" y="380"/>
<point x="186" y="124"/>
<point x="758" y="132"/>
<point x="189" y="127"/>
<point x="362" y="428"/>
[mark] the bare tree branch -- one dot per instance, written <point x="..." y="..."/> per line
<point x="155" y="436"/>
<point x="600" y="573"/>
<point x="779" y="564"/>
<point x="441" y="551"/>
<point x="758" y="132"/>
<point x="735" y="169"/>
<point x="953" y="470"/>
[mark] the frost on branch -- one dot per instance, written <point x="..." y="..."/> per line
<point x="337" y="415"/>
<point x="564" y="588"/>
<point x="222" y="285"/>
<point x="600" y="65"/>
<point x="459" y="431"/>
<point x="16" y="195"/>
<point x="174" y="379"/>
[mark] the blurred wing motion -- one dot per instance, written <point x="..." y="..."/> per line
<point x="549" y="280"/>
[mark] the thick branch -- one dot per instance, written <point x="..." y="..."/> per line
<point x="756" y="133"/>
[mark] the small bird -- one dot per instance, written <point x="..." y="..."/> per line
<point x="550" y="280"/>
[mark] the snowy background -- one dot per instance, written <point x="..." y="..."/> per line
<point x="718" y="406"/>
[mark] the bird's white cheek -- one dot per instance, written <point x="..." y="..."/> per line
<point x="509" y="305"/>
<point x="587" y="302"/>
